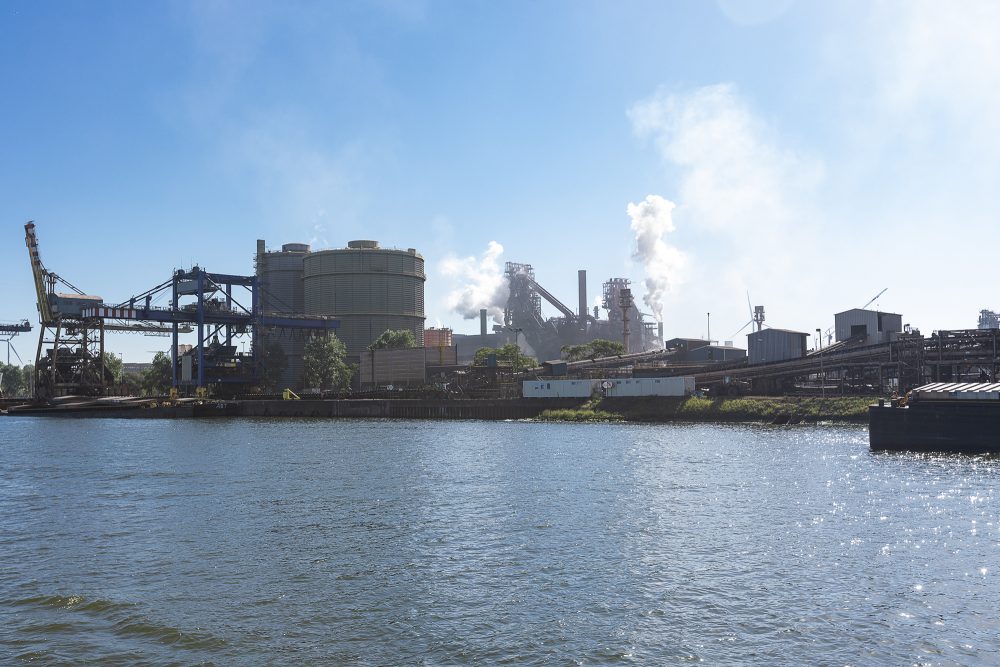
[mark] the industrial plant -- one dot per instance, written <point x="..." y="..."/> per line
<point x="363" y="290"/>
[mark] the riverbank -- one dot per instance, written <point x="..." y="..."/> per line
<point x="766" y="409"/>
<point x="775" y="410"/>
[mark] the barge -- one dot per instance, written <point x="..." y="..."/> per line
<point x="945" y="417"/>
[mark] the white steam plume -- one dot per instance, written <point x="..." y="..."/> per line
<point x="663" y="264"/>
<point x="482" y="283"/>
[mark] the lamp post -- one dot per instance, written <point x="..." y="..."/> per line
<point x="819" y="346"/>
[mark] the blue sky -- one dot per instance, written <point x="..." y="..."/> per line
<point x="809" y="153"/>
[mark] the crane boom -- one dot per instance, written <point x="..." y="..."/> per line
<point x="874" y="298"/>
<point x="39" y="273"/>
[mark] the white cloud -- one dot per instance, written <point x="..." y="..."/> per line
<point x="744" y="200"/>
<point x="734" y="175"/>
<point x="480" y="281"/>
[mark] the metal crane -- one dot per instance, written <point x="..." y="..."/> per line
<point x="70" y="357"/>
<point x="874" y="298"/>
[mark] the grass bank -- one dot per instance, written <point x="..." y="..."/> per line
<point x="780" y="409"/>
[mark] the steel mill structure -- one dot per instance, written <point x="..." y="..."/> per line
<point x="545" y="337"/>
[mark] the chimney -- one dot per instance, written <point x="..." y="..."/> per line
<point x="582" y="312"/>
<point x="659" y="330"/>
<point x="482" y="324"/>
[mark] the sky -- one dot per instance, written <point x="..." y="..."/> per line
<point x="806" y="155"/>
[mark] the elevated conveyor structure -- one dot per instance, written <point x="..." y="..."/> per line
<point x="223" y="305"/>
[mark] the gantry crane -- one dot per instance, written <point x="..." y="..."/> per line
<point x="70" y="357"/>
<point x="70" y="354"/>
<point x="215" y="311"/>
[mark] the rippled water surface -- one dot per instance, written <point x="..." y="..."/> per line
<point x="385" y="542"/>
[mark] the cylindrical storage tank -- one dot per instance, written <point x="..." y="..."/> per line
<point x="369" y="289"/>
<point x="280" y="283"/>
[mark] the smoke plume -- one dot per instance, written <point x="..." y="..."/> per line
<point x="482" y="283"/>
<point x="663" y="264"/>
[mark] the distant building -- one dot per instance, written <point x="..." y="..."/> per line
<point x="768" y="345"/>
<point x="685" y="344"/>
<point x="713" y="353"/>
<point x="468" y="344"/>
<point x="403" y="367"/>
<point x="876" y="327"/>
<point x="989" y="319"/>
<point x="700" y="350"/>
<point x="136" y="367"/>
<point x="434" y="337"/>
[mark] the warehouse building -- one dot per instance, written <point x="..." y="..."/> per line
<point x="770" y="345"/>
<point x="876" y="327"/>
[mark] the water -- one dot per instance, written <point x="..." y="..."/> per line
<point x="386" y="542"/>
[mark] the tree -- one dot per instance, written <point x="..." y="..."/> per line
<point x="11" y="380"/>
<point x="159" y="378"/>
<point x="273" y="363"/>
<point x="508" y="354"/>
<point x="28" y="378"/>
<point x="325" y="368"/>
<point x="394" y="339"/>
<point x="592" y="350"/>
<point x="113" y="364"/>
<point x="131" y="383"/>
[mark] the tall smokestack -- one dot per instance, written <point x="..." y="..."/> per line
<point x="482" y="324"/>
<point x="582" y="312"/>
<point x="659" y="330"/>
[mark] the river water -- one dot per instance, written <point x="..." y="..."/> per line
<point x="398" y="543"/>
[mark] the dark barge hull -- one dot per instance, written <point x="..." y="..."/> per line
<point x="963" y="427"/>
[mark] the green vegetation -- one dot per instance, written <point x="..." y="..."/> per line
<point x="508" y="354"/>
<point x="588" y="412"/>
<point x="113" y="364"/>
<point x="272" y="361"/>
<point x="131" y="384"/>
<point x="789" y="409"/>
<point x="158" y="379"/>
<point x="394" y="339"/>
<point x="592" y="350"/>
<point x="16" y="380"/>
<point x="325" y="368"/>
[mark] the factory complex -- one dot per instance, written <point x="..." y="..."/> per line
<point x="251" y="332"/>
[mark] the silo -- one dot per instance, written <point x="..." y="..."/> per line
<point x="280" y="279"/>
<point x="369" y="289"/>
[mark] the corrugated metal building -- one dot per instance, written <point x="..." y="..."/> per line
<point x="280" y="280"/>
<point x="769" y="345"/>
<point x="369" y="289"/>
<point x="685" y="344"/>
<point x="405" y="367"/>
<point x="713" y="353"/>
<point x="876" y="326"/>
